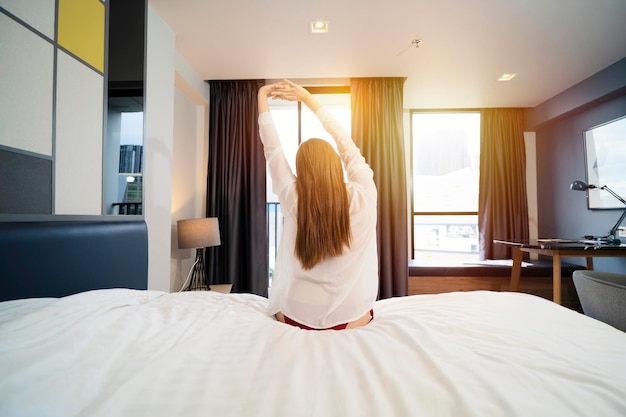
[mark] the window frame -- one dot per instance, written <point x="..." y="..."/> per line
<point x="411" y="164"/>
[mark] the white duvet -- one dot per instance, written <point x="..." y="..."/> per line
<point x="121" y="353"/>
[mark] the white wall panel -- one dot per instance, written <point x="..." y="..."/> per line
<point x="530" y="142"/>
<point x="37" y="13"/>
<point x="26" y="69"/>
<point x="189" y="161"/>
<point x="159" y="113"/>
<point x="78" y="167"/>
<point x="189" y="167"/>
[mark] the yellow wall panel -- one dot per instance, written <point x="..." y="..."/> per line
<point x="81" y="30"/>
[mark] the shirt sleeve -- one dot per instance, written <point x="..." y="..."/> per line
<point x="357" y="169"/>
<point x="279" y="168"/>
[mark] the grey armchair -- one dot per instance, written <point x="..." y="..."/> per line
<point x="602" y="296"/>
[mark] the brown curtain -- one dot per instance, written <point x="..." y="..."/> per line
<point x="502" y="206"/>
<point x="236" y="188"/>
<point x="377" y="129"/>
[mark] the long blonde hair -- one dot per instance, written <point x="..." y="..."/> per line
<point x="323" y="219"/>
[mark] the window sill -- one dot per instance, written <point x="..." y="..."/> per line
<point x="535" y="269"/>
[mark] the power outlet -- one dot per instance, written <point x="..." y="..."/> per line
<point x="621" y="232"/>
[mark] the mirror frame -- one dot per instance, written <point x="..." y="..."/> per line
<point x="605" y="163"/>
<point x="125" y="77"/>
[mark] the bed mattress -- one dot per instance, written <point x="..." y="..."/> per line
<point x="124" y="352"/>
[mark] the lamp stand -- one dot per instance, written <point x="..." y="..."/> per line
<point x="612" y="238"/>
<point x="198" y="274"/>
<point x="613" y="233"/>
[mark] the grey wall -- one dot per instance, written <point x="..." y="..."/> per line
<point x="26" y="185"/>
<point x="559" y="125"/>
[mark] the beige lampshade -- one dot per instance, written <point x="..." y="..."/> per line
<point x="198" y="233"/>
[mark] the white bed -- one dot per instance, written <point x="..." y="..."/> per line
<point x="120" y="352"/>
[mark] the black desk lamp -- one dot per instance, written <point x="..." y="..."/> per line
<point x="612" y="237"/>
<point x="199" y="234"/>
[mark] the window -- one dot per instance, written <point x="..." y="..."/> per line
<point x="294" y="123"/>
<point x="445" y="161"/>
<point x="130" y="179"/>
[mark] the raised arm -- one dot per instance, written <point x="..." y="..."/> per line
<point x="264" y="94"/>
<point x="294" y="92"/>
<point x="357" y="169"/>
<point x="279" y="168"/>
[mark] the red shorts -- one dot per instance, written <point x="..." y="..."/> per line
<point x="305" y="327"/>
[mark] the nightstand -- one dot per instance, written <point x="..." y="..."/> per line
<point x="223" y="288"/>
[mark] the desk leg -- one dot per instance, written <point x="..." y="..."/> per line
<point x="556" y="277"/>
<point x="516" y="270"/>
<point x="589" y="263"/>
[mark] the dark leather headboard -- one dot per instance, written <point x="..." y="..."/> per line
<point x="59" y="258"/>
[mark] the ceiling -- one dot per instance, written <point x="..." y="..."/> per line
<point x="465" y="44"/>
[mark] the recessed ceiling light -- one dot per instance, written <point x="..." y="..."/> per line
<point x="319" y="26"/>
<point x="507" y="77"/>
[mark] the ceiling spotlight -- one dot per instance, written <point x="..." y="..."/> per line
<point x="507" y="77"/>
<point x="319" y="26"/>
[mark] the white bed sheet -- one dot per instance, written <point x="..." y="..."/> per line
<point x="147" y="353"/>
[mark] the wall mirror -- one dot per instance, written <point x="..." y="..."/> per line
<point x="124" y="131"/>
<point x="605" y="160"/>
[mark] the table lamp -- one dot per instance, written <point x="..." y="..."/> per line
<point x="199" y="234"/>
<point x="611" y="238"/>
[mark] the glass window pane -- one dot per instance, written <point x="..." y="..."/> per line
<point x="338" y="105"/>
<point x="443" y="240"/>
<point x="285" y="116"/>
<point x="446" y="149"/>
<point x="446" y="156"/>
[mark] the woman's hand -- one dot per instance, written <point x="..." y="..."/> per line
<point x="290" y="91"/>
<point x="286" y="90"/>
<point x="268" y="91"/>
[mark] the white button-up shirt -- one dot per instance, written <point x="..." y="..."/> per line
<point x="339" y="289"/>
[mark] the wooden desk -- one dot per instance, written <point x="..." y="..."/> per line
<point x="557" y="249"/>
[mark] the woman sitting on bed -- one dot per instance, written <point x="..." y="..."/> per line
<point x="326" y="273"/>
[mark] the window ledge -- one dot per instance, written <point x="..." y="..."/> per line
<point x="536" y="269"/>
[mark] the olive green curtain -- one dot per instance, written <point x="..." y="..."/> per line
<point x="377" y="129"/>
<point x="503" y="205"/>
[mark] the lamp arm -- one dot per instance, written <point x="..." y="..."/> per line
<point x="608" y="190"/>
<point x="613" y="231"/>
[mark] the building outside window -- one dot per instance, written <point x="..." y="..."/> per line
<point x="445" y="169"/>
<point x="130" y="178"/>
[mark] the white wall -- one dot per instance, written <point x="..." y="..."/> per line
<point x="530" y="141"/>
<point x="78" y="179"/>
<point x="406" y="119"/>
<point x="159" y="119"/>
<point x="176" y="154"/>
<point x="189" y="173"/>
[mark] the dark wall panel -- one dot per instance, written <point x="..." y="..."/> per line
<point x="560" y="161"/>
<point x="25" y="184"/>
<point x="600" y="87"/>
